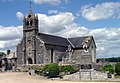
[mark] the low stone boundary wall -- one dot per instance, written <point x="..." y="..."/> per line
<point x="27" y="67"/>
<point x="74" y="76"/>
<point x="86" y="75"/>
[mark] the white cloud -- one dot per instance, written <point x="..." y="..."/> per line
<point x="107" y="40"/>
<point x="101" y="11"/>
<point x="51" y="2"/>
<point x="10" y="33"/>
<point x="9" y="37"/>
<point x="55" y="23"/>
<point x="52" y="11"/>
<point x="19" y="15"/>
<point x="73" y="30"/>
<point x="11" y="44"/>
<point x="104" y="33"/>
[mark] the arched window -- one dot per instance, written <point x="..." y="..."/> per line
<point x="31" y="22"/>
<point x="27" y="23"/>
<point x="29" y="16"/>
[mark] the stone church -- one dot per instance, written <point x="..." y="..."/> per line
<point x="41" y="48"/>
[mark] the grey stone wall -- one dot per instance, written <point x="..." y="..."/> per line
<point x="92" y="50"/>
<point x="58" y="56"/>
<point x="76" y="56"/>
<point x="75" y="76"/>
<point x="79" y="55"/>
<point x="20" y="57"/>
<point x="30" y="45"/>
<point x="58" y="53"/>
<point x="86" y="75"/>
<point x="40" y="52"/>
<point x="43" y="53"/>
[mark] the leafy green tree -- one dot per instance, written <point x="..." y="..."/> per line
<point x="117" y="68"/>
<point x="2" y="53"/>
<point x="112" y="59"/>
<point x="52" y="69"/>
<point x="108" y="67"/>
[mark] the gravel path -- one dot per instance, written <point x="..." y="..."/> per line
<point x="20" y="77"/>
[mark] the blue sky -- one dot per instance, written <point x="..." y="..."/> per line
<point x="10" y="7"/>
<point x="66" y="18"/>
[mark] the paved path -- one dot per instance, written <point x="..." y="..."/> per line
<point x="19" y="77"/>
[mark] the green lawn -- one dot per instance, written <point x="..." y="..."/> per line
<point x="117" y="76"/>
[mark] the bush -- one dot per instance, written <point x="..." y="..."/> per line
<point x="108" y="67"/>
<point x="117" y="68"/>
<point x="68" y="68"/>
<point x="39" y="68"/>
<point x="52" y="69"/>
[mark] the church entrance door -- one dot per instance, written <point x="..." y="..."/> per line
<point x="30" y="61"/>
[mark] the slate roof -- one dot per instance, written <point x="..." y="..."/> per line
<point x="60" y="41"/>
<point x="54" y="40"/>
<point x="78" y="41"/>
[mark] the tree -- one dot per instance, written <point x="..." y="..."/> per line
<point x="108" y="67"/>
<point x="117" y="68"/>
<point x="2" y="53"/>
<point x="52" y="69"/>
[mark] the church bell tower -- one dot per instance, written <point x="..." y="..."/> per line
<point x="30" y="31"/>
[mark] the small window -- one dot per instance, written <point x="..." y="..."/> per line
<point x="92" y="47"/>
<point x="27" y="23"/>
<point x="29" y="16"/>
<point x="85" y="50"/>
<point x="31" y="22"/>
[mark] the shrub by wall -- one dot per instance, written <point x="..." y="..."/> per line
<point x="52" y="69"/>
<point x="117" y="68"/>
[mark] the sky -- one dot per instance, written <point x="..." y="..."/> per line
<point x="65" y="18"/>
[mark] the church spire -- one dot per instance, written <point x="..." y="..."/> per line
<point x="30" y="6"/>
<point x="30" y="10"/>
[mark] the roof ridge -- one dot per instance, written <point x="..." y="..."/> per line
<point x="52" y="35"/>
<point x="70" y="42"/>
<point x="80" y="37"/>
